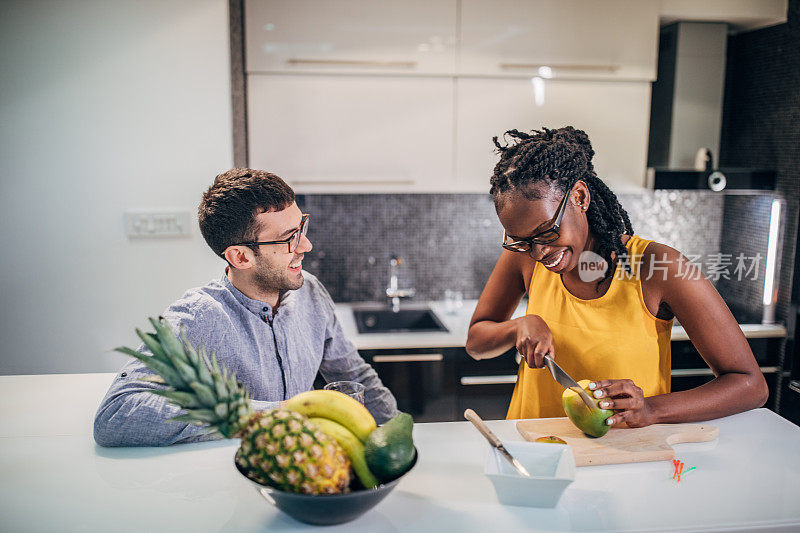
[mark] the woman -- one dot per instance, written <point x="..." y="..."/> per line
<point x="610" y="325"/>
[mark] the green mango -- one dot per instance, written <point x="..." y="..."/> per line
<point x="389" y="449"/>
<point x="590" y="421"/>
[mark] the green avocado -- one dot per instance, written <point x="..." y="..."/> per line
<point x="592" y="422"/>
<point x="389" y="449"/>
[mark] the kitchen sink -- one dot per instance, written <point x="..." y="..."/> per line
<point x="404" y="320"/>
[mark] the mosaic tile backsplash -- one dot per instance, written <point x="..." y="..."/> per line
<point x="452" y="241"/>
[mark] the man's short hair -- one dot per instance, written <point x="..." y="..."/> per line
<point x="229" y="207"/>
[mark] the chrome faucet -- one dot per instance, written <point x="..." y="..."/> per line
<point x="392" y="292"/>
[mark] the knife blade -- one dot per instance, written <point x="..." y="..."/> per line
<point x="473" y="417"/>
<point x="566" y="381"/>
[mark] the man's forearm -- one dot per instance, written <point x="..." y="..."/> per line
<point x="378" y="399"/>
<point x="141" y="419"/>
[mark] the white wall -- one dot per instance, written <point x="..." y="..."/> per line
<point x="106" y="107"/>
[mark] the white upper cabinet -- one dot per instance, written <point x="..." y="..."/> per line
<point x="615" y="115"/>
<point x="573" y="39"/>
<point x="741" y="15"/>
<point x="353" y="134"/>
<point x="361" y="96"/>
<point x="351" y="36"/>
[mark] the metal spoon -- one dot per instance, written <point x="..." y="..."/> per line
<point x="473" y="417"/>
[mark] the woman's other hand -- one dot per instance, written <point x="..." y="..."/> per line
<point x="534" y="340"/>
<point x="626" y="399"/>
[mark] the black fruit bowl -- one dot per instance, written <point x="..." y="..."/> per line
<point x="326" y="509"/>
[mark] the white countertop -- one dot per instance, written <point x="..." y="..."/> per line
<point x="54" y="478"/>
<point x="457" y="322"/>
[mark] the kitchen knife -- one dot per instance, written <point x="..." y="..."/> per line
<point x="473" y="417"/>
<point x="566" y="381"/>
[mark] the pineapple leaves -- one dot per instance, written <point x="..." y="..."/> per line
<point x="186" y="419"/>
<point x="211" y="431"/>
<point x="203" y="415"/>
<point x="220" y="388"/>
<point x="204" y="393"/>
<point x="191" y="353"/>
<point x="221" y="409"/>
<point x="202" y="386"/>
<point x="159" y="367"/>
<point x="172" y="346"/>
<point x="184" y="400"/>
<point x="153" y="345"/>
<point x="185" y="370"/>
<point x="219" y="382"/>
<point x="201" y="365"/>
<point x="155" y="378"/>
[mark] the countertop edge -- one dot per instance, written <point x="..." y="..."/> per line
<point x="457" y="321"/>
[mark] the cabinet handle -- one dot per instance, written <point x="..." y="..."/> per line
<point x="535" y="66"/>
<point x="408" y="358"/>
<point x="693" y="372"/>
<point x="353" y="63"/>
<point x="794" y="385"/>
<point x="489" y="380"/>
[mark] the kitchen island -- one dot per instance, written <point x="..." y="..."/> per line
<point x="54" y="478"/>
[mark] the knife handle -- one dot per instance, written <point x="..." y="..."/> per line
<point x="473" y="417"/>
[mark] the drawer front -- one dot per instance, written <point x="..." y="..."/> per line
<point x="685" y="355"/>
<point x="506" y="363"/>
<point x="486" y="386"/>
<point x="790" y="401"/>
<point x="489" y="400"/>
<point x="422" y="381"/>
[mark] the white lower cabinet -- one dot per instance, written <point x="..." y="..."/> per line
<point x="615" y="115"/>
<point x="353" y="134"/>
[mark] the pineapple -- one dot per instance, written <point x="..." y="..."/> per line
<point x="284" y="449"/>
<point x="279" y="448"/>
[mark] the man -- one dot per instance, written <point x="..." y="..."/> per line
<point x="269" y="322"/>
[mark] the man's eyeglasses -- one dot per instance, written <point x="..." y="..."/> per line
<point x="543" y="237"/>
<point x="293" y="240"/>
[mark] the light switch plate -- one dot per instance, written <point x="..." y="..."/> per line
<point x="151" y="224"/>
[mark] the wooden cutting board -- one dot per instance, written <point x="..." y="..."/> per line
<point x="619" y="445"/>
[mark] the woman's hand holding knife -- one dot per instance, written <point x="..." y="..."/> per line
<point x="534" y="340"/>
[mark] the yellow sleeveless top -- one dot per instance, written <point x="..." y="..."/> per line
<point x="614" y="336"/>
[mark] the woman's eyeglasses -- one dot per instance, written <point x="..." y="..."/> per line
<point x="292" y="240"/>
<point x="543" y="237"/>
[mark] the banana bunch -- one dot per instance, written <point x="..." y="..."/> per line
<point x="343" y="419"/>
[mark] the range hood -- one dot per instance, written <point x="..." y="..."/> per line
<point x="686" y="113"/>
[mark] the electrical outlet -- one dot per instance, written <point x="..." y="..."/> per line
<point x="157" y="224"/>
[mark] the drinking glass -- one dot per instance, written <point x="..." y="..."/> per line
<point x="453" y="302"/>
<point x="354" y="389"/>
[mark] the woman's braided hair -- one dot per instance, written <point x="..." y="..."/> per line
<point x="559" y="158"/>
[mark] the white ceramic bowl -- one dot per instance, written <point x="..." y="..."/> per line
<point x="552" y="469"/>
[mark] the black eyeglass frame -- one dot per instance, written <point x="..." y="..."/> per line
<point x="303" y="229"/>
<point x="526" y="245"/>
